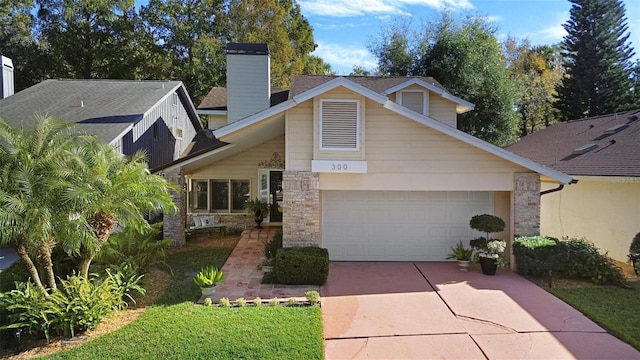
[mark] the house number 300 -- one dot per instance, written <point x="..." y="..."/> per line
<point x="338" y="167"/>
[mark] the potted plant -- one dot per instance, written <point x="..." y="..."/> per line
<point x="207" y="279"/>
<point x="259" y="209"/>
<point x="270" y="248"/>
<point x="491" y="257"/>
<point x="463" y="255"/>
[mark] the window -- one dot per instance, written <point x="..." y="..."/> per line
<point x="339" y="124"/>
<point x="156" y="131"/>
<point x="179" y="133"/>
<point x="221" y="195"/>
<point x="414" y="100"/>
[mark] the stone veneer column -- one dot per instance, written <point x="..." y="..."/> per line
<point x="301" y="209"/>
<point x="526" y="202"/>
<point x="174" y="224"/>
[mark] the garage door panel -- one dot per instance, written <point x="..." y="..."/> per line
<point x="398" y="225"/>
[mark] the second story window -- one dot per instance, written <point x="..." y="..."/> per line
<point x="415" y="100"/>
<point x="339" y="124"/>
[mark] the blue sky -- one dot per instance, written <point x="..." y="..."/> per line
<point x="343" y="28"/>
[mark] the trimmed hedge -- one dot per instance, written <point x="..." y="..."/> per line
<point x="575" y="258"/>
<point x="302" y="266"/>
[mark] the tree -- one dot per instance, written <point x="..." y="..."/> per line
<point x="537" y="71"/>
<point x="467" y="60"/>
<point x="597" y="60"/>
<point x="31" y="209"/>
<point x="104" y="189"/>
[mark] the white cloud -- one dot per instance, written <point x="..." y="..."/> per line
<point x="344" y="8"/>
<point x="555" y="32"/>
<point x="342" y="59"/>
<point x="494" y="18"/>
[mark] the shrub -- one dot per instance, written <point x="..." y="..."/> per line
<point x="487" y="223"/>
<point x="124" y="280"/>
<point x="234" y="230"/>
<point x="576" y="258"/>
<point x="28" y="308"/>
<point x="302" y="266"/>
<point x="257" y="301"/>
<point x="634" y="253"/>
<point x="241" y="302"/>
<point x="225" y="302"/>
<point x="140" y="249"/>
<point x="312" y="296"/>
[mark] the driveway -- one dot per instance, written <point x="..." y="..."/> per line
<point x="403" y="310"/>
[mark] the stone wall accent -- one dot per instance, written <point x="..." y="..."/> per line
<point x="301" y="209"/>
<point x="526" y="204"/>
<point x="174" y="224"/>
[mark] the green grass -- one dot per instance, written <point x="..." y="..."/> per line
<point x="615" y="309"/>
<point x="176" y="328"/>
<point x="188" y="331"/>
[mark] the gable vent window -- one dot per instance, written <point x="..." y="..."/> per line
<point x="339" y="125"/>
<point x="414" y="100"/>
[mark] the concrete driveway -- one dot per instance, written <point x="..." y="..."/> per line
<point x="402" y="310"/>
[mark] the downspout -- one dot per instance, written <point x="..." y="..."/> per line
<point x="560" y="187"/>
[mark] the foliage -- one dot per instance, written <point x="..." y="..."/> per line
<point x="274" y="301"/>
<point x="208" y="276"/>
<point x="302" y="266"/>
<point x="292" y="301"/>
<point x="466" y="58"/>
<point x="124" y="280"/>
<point x="312" y="296"/>
<point x="225" y="302"/>
<point x="493" y="249"/>
<point x="613" y="308"/>
<point x="272" y="246"/>
<point x="459" y="252"/>
<point x="575" y="258"/>
<point x="487" y="223"/>
<point x="208" y="302"/>
<point x="257" y="301"/>
<point x="236" y="334"/>
<point x="241" y="302"/>
<point x="137" y="248"/>
<point x="257" y="207"/>
<point x="234" y="230"/>
<point x="634" y="253"/>
<point x="597" y="60"/>
<point x="28" y="308"/>
<point x="537" y="70"/>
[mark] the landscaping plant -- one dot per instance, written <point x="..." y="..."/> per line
<point x="208" y="276"/>
<point x="634" y="253"/>
<point x="302" y="266"/>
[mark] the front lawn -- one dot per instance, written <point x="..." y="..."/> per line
<point x="175" y="327"/>
<point x="615" y="309"/>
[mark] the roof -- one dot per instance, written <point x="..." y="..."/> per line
<point x="216" y="99"/>
<point x="105" y="108"/>
<point x="379" y="84"/>
<point x="567" y="147"/>
<point x="225" y="132"/>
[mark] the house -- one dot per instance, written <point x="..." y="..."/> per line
<point x="371" y="168"/>
<point x="156" y="116"/>
<point x="603" y="154"/>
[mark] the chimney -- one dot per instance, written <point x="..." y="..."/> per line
<point x="248" y="80"/>
<point x="6" y="81"/>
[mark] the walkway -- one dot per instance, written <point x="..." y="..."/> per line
<point x="243" y="276"/>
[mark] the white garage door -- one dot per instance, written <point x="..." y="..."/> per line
<point x="399" y="225"/>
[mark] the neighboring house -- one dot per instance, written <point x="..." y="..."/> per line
<point x="371" y="168"/>
<point x="156" y="116"/>
<point x="603" y="154"/>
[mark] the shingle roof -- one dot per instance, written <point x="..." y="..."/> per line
<point x="104" y="108"/>
<point x="379" y="84"/>
<point x="216" y="99"/>
<point x="617" y="153"/>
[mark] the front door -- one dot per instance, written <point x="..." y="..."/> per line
<point x="270" y="187"/>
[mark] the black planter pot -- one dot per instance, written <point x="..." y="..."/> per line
<point x="488" y="265"/>
<point x="259" y="219"/>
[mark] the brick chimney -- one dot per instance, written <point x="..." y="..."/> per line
<point x="6" y="80"/>
<point x="248" y="80"/>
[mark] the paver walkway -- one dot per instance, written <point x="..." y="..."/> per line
<point x="406" y="310"/>
<point x="243" y="276"/>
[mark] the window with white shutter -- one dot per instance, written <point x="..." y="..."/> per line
<point x="339" y="125"/>
<point x="414" y="100"/>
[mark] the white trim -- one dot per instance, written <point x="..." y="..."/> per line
<point x="481" y="144"/>
<point x="198" y="158"/>
<point x="464" y="105"/>
<point x="358" y="122"/>
<point x="614" y="179"/>
<point x="252" y="119"/>
<point x="344" y="82"/>
<point x="119" y="137"/>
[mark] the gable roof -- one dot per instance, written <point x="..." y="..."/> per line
<point x="216" y="99"/>
<point x="104" y="108"/>
<point x="380" y="84"/>
<point x="615" y="152"/>
<point x="334" y="82"/>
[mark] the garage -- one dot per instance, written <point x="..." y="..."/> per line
<point x="398" y="225"/>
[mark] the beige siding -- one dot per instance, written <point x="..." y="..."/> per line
<point x="299" y="134"/>
<point x="243" y="165"/>
<point x="604" y="212"/>
<point x="443" y="110"/>
<point x="216" y="121"/>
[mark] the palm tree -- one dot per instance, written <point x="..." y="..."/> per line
<point x="30" y="208"/>
<point x="106" y="189"/>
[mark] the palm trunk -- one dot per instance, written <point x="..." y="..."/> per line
<point x="22" y="252"/>
<point x="102" y="224"/>
<point x="47" y="264"/>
